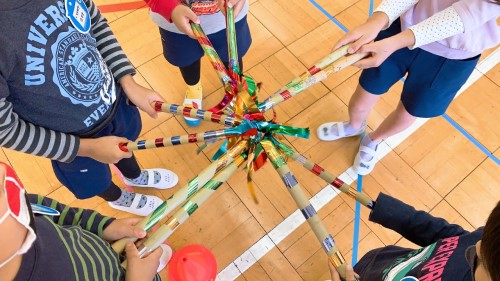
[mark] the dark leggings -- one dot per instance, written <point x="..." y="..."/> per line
<point x="129" y="169"/>
<point x="191" y="73"/>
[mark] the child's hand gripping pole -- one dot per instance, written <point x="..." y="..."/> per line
<point x="185" y="192"/>
<point x="162" y="234"/>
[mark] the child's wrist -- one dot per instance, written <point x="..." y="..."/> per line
<point x="85" y="148"/>
<point x="127" y="82"/>
<point x="404" y="39"/>
<point x="379" y="19"/>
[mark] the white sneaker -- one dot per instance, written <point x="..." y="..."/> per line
<point x="325" y="133"/>
<point x="151" y="204"/>
<point x="363" y="167"/>
<point x="168" y="179"/>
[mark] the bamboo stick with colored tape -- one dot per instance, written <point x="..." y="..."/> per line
<point x="218" y="118"/>
<point x="327" y="176"/>
<point x="178" y="140"/>
<point x="185" y="192"/>
<point x="296" y="88"/>
<point x="211" y="53"/>
<point x="335" y="55"/>
<point x="305" y="207"/>
<point x="162" y="233"/>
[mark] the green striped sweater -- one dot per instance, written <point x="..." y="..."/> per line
<point x="69" y="247"/>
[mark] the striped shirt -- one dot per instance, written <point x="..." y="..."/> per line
<point x="56" y="84"/>
<point x="70" y="247"/>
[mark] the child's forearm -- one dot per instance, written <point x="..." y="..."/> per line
<point x="437" y="27"/>
<point x="404" y="39"/>
<point x="379" y="19"/>
<point x="394" y="9"/>
<point x="89" y="220"/>
<point x="19" y="135"/>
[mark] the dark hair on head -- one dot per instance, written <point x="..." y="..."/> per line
<point x="490" y="244"/>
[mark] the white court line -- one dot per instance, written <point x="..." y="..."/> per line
<point x="292" y="222"/>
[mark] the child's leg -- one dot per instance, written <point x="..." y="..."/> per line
<point x="373" y="83"/>
<point x="194" y="93"/>
<point x="360" y="105"/>
<point x="191" y="73"/>
<point x="129" y="167"/>
<point x="86" y="178"/>
<point x="156" y="178"/>
<point x="399" y="120"/>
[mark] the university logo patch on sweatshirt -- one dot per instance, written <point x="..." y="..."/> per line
<point x="57" y="76"/>
<point x="78" y="69"/>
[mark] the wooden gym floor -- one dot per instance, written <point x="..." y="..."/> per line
<point x="432" y="166"/>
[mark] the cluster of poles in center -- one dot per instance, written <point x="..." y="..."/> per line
<point x="192" y="195"/>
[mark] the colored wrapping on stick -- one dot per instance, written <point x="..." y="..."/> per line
<point x="230" y="86"/>
<point x="179" y="140"/>
<point x="185" y="192"/>
<point x="325" y="175"/>
<point x="309" y="212"/>
<point x="293" y="88"/>
<point x="234" y="68"/>
<point x="189" y="207"/>
<point x="218" y="118"/>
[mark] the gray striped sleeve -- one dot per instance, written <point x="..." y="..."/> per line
<point x="108" y="46"/>
<point x="22" y="136"/>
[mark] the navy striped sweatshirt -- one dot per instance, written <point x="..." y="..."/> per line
<point x="56" y="83"/>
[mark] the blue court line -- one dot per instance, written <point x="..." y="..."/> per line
<point x="335" y="21"/>
<point x="370" y="9"/>
<point x="471" y="138"/>
<point x="359" y="186"/>
<point x="357" y="218"/>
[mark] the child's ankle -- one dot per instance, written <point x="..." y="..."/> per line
<point x="195" y="91"/>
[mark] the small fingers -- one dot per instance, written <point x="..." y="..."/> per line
<point x="155" y="255"/>
<point x="349" y="273"/>
<point x="131" y="250"/>
<point x="368" y="62"/>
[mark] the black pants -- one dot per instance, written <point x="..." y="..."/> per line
<point x="129" y="169"/>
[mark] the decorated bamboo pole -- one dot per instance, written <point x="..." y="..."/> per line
<point x="305" y="207"/>
<point x="335" y="55"/>
<point x="327" y="176"/>
<point x="211" y="53"/>
<point x="160" y="235"/>
<point x="178" y="140"/>
<point x="294" y="89"/>
<point x="234" y="67"/>
<point x="218" y="118"/>
<point x="185" y="192"/>
<point x="230" y="85"/>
